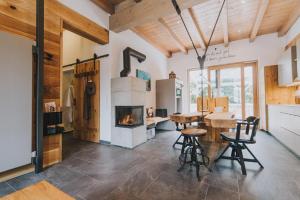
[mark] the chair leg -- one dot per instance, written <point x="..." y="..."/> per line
<point x="253" y="156"/>
<point x="185" y="141"/>
<point x="233" y="153"/>
<point x="184" y="160"/>
<point x="241" y="160"/>
<point x="176" y="142"/>
<point x="220" y="156"/>
<point x="194" y="157"/>
<point x="203" y="155"/>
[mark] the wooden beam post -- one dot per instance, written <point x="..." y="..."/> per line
<point x="77" y="23"/>
<point x="259" y="17"/>
<point x="225" y="23"/>
<point x="146" y="11"/>
<point x="173" y="35"/>
<point x="105" y="5"/>
<point x="167" y="53"/>
<point x="39" y="84"/>
<point x="292" y="19"/>
<point x="197" y="28"/>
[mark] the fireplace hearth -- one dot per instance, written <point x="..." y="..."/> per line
<point x="128" y="112"/>
<point x="129" y="116"/>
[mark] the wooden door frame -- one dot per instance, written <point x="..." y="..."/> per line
<point x="242" y="66"/>
<point x="77" y="32"/>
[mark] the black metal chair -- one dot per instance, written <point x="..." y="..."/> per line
<point x="238" y="140"/>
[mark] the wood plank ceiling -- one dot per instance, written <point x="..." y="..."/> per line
<point x="240" y="19"/>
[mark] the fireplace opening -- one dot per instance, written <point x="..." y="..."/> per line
<point x="129" y="116"/>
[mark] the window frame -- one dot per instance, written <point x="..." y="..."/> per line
<point x="241" y="65"/>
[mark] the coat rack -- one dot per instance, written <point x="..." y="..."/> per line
<point x="83" y="61"/>
<point x="82" y="71"/>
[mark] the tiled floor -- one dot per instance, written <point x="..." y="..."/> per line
<point x="91" y="171"/>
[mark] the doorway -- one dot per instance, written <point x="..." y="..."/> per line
<point x="78" y="71"/>
<point x="236" y="81"/>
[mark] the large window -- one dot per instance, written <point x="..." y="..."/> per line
<point x="196" y="87"/>
<point x="237" y="82"/>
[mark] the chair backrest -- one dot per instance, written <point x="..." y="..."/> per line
<point x="221" y="102"/>
<point x="252" y="124"/>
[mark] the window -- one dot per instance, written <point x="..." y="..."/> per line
<point x="196" y="87"/>
<point x="230" y="86"/>
<point x="237" y="81"/>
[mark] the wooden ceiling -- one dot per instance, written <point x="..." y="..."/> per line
<point x="239" y="19"/>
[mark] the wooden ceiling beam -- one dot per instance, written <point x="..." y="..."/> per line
<point x="177" y="41"/>
<point x="146" y="11"/>
<point x="225" y="24"/>
<point x="77" y="23"/>
<point x="292" y="19"/>
<point x="105" y="5"/>
<point x="259" y="18"/>
<point x="197" y="28"/>
<point x="167" y="53"/>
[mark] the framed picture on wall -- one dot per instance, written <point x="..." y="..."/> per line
<point x="144" y="76"/>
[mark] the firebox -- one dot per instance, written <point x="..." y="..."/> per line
<point x="129" y="116"/>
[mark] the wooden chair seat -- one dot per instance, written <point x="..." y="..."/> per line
<point x="194" y="132"/>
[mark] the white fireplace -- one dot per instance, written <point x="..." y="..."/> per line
<point x="128" y="112"/>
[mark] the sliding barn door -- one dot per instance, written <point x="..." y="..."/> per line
<point x="88" y="130"/>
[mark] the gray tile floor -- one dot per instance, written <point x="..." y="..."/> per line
<point x="92" y="171"/>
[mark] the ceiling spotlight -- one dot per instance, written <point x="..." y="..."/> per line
<point x="243" y="1"/>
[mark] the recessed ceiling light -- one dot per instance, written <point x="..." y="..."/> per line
<point x="243" y="1"/>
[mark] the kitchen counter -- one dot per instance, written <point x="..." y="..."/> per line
<point x="284" y="124"/>
<point x="285" y="105"/>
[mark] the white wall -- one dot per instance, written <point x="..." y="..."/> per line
<point x="155" y="64"/>
<point x="265" y="50"/>
<point x="75" y="46"/>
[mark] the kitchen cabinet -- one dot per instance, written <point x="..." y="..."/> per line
<point x="169" y="97"/>
<point x="298" y="59"/>
<point x="287" y="67"/>
<point x="283" y="123"/>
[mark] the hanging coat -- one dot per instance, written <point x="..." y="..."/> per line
<point x="69" y="104"/>
<point x="90" y="90"/>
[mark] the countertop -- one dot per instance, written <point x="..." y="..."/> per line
<point x="288" y="105"/>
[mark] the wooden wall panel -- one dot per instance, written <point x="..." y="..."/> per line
<point x="88" y="130"/>
<point x="18" y="17"/>
<point x="275" y="94"/>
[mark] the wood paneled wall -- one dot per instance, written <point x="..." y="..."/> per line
<point x="18" y="17"/>
<point x="275" y="94"/>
